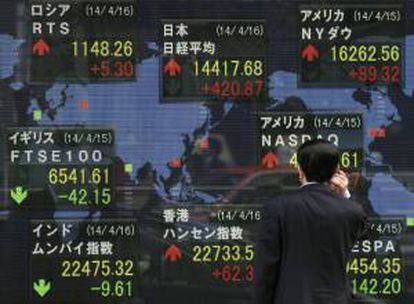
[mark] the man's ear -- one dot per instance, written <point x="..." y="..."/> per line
<point x="301" y="175"/>
<point x="298" y="170"/>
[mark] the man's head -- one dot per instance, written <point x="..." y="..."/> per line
<point x="318" y="161"/>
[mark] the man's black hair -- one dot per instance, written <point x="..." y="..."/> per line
<point x="318" y="160"/>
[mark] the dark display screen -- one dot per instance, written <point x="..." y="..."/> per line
<point x="140" y="140"/>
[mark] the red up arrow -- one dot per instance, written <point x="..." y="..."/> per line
<point x="172" y="68"/>
<point x="310" y="53"/>
<point x="40" y="47"/>
<point x="173" y="253"/>
<point x="270" y="160"/>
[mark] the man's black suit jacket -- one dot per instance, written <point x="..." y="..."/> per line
<point x="303" y="246"/>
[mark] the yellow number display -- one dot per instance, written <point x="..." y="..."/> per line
<point x="366" y="53"/>
<point x="228" y="68"/>
<point x="225" y="253"/>
<point x="103" y="48"/>
<point x="97" y="268"/>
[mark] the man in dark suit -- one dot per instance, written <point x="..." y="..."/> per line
<point x="306" y="235"/>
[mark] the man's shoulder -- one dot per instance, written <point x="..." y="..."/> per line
<point x="356" y="209"/>
<point x="298" y="196"/>
<point x="283" y="198"/>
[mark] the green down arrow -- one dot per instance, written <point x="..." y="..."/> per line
<point x="18" y="194"/>
<point x="42" y="287"/>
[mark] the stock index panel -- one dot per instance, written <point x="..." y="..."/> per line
<point x="140" y="140"/>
